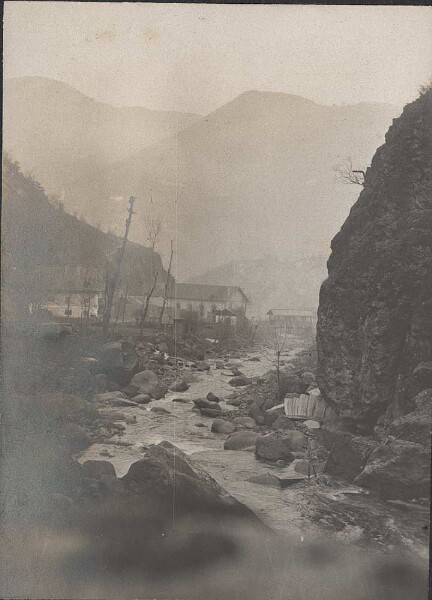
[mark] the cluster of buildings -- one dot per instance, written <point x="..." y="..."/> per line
<point x="83" y="297"/>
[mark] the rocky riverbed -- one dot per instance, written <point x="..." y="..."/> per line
<point x="323" y="505"/>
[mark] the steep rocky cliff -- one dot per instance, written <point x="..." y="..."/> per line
<point x="375" y="312"/>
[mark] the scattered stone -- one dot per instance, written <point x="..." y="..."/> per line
<point x="200" y="425"/>
<point x="105" y="453"/>
<point x="179" y="386"/>
<point x="220" y="364"/>
<point x="204" y="403"/>
<point x="241" y="440"/>
<point x="254" y="359"/>
<point x="160" y="410"/>
<point x="302" y="466"/>
<point x="142" y="399"/>
<point x="236" y="372"/>
<point x="310" y="424"/>
<point x="232" y="396"/>
<point x="131" y="420"/>
<point x="247" y="422"/>
<point x="118" y="359"/>
<point x="212" y="397"/>
<point x="221" y="426"/>
<point x="181" y="400"/>
<point x="120" y="427"/>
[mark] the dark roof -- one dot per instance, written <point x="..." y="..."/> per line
<point x="201" y="291"/>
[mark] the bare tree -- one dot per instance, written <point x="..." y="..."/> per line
<point x="277" y="341"/>
<point x="346" y="174"/>
<point x="166" y="286"/>
<point x="153" y="225"/>
<point x="145" y="306"/>
<point x="113" y="281"/>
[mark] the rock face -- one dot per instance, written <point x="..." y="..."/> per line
<point x="375" y="312"/>
<point x="375" y="317"/>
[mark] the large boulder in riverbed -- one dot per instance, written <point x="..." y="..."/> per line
<point x="165" y="468"/>
<point x="273" y="448"/>
<point x="246" y="422"/>
<point x="241" y="440"/>
<point x="148" y="383"/>
<point x="211" y="412"/>
<point x="398" y="469"/>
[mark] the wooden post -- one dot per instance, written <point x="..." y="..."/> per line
<point x="113" y="281"/>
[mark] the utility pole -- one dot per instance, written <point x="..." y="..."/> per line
<point x="113" y="281"/>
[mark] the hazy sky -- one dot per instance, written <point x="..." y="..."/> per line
<point x="197" y="57"/>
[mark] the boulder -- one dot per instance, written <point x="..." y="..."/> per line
<point x="234" y="402"/>
<point x="203" y="366"/>
<point x="348" y="452"/>
<point x="247" y="422"/>
<point x="160" y="410"/>
<point x="398" y="469"/>
<point x="232" y="396"/>
<point x="211" y="412"/>
<point x="257" y="414"/>
<point x="179" y="386"/>
<point x="204" y="403"/>
<point x="221" y="426"/>
<point x="236" y="372"/>
<point x="142" y="399"/>
<point x="273" y="448"/>
<point x="219" y="364"/>
<point x="241" y="440"/>
<point x="283" y="422"/>
<point x="148" y="383"/>
<point x="239" y="381"/>
<point x="165" y="466"/>
<point x="181" y="400"/>
<point x="95" y="469"/>
<point x="212" y="397"/>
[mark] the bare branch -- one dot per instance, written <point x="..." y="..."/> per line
<point x="346" y="174"/>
